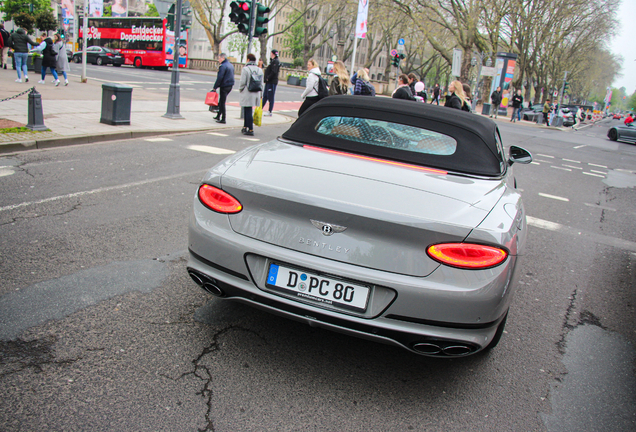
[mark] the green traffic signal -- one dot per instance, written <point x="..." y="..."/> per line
<point x="261" y="19"/>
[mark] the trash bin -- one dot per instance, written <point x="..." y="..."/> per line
<point x="485" y="110"/>
<point x="116" y="101"/>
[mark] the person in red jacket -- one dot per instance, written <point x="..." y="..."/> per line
<point x="629" y="119"/>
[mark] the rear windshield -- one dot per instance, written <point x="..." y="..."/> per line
<point x="386" y="134"/>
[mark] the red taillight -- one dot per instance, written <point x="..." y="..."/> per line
<point x="218" y="200"/>
<point x="466" y="255"/>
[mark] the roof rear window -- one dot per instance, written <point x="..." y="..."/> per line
<point x="386" y="134"/>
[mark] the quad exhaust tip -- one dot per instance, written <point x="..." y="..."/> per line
<point x="206" y="282"/>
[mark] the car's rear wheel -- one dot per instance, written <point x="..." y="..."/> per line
<point x="613" y="135"/>
<point x="99" y="61"/>
<point x="77" y="59"/>
<point x="497" y="337"/>
<point x="137" y="62"/>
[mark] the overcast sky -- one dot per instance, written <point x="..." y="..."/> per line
<point x="625" y="45"/>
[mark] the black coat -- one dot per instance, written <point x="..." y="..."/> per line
<point x="49" y="57"/>
<point x="271" y="71"/>
<point x="495" y="97"/>
<point x="403" y="92"/>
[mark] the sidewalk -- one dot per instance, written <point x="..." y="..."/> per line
<point x="73" y="113"/>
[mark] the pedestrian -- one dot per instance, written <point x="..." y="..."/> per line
<point x="310" y="94"/>
<point x="260" y="63"/>
<point x="413" y="79"/>
<point x="249" y="99"/>
<point x="354" y="78"/>
<point x="49" y="59"/>
<point x="457" y="98"/>
<point x="271" y="81"/>
<point x="469" y="98"/>
<point x="21" y="42"/>
<point x="340" y="82"/>
<point x="435" y="95"/>
<point x="495" y="98"/>
<point x="224" y="82"/>
<point x="403" y="91"/>
<point x="363" y="87"/>
<point x="5" y="36"/>
<point x="546" y="112"/>
<point x="517" y="101"/>
<point x="62" y="60"/>
<point x="629" y="119"/>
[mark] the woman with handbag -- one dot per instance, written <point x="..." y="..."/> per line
<point x="251" y="76"/>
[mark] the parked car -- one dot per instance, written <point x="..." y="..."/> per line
<point x="532" y="113"/>
<point x="100" y="56"/>
<point x="622" y="133"/>
<point x="616" y="117"/>
<point x="567" y="115"/>
<point x="69" y="54"/>
<point x="395" y="222"/>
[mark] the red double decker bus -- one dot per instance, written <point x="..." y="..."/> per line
<point x="143" y="41"/>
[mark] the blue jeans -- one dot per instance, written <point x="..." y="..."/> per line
<point x="53" y="71"/>
<point x="268" y="95"/>
<point x="21" y="63"/>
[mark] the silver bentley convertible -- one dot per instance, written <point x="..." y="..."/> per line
<point x="385" y="219"/>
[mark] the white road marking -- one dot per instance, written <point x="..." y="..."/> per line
<point x="596" y="165"/>
<point x="561" y="168"/>
<point x="99" y="190"/>
<point x="600" y="207"/>
<point x="6" y="172"/>
<point x="539" y="160"/>
<point x="217" y="134"/>
<point x="210" y="149"/>
<point x="251" y="139"/>
<point x="598" y="172"/>
<point x="542" y="155"/>
<point x="535" y="163"/>
<point x="553" y="197"/>
<point x="588" y="236"/>
<point x="594" y="175"/>
<point x="581" y="146"/>
<point x="625" y="171"/>
<point x="160" y="139"/>
<point x="572" y="166"/>
<point x="570" y="160"/>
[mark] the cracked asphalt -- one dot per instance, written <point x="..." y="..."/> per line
<point x="101" y="328"/>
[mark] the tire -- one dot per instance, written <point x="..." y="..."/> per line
<point x="99" y="61"/>
<point x="497" y="337"/>
<point x="613" y="135"/>
<point x="77" y="59"/>
<point x="137" y="62"/>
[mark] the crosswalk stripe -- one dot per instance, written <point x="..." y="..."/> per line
<point x="210" y="149"/>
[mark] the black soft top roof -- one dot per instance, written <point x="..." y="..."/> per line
<point x="476" y="151"/>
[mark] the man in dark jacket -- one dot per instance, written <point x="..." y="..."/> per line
<point x="5" y="45"/>
<point x="224" y="82"/>
<point x="517" y="101"/>
<point x="435" y="95"/>
<point x="271" y="81"/>
<point x="20" y="41"/>
<point x="495" y="98"/>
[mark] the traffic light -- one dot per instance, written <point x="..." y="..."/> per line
<point x="240" y="15"/>
<point x="170" y="18"/>
<point x="566" y="85"/>
<point x="395" y="60"/>
<point x="261" y="20"/>
<point x="61" y="32"/>
<point x="186" y="15"/>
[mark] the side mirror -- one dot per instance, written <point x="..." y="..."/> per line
<point x="519" y="155"/>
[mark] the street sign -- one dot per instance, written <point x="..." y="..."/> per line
<point x="400" y="48"/>
<point x="456" y="69"/>
<point x="334" y="58"/>
<point x="401" y="41"/>
<point x="488" y="71"/>
<point x="556" y="93"/>
<point x="393" y="52"/>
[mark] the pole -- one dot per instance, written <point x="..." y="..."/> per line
<point x="174" y="93"/>
<point x="250" y="31"/>
<point x="84" y="34"/>
<point x="565" y="77"/>
<point x="353" y="58"/>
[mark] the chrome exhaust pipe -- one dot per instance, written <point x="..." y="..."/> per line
<point x="443" y="348"/>
<point x="457" y="350"/>
<point x="427" y="348"/>
<point x="206" y="282"/>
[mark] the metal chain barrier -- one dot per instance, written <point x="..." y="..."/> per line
<point x="18" y="95"/>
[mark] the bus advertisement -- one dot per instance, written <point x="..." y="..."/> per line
<point x="144" y="41"/>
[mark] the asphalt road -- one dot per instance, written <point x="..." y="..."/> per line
<point x="102" y="329"/>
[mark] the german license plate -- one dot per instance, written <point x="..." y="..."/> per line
<point x="320" y="289"/>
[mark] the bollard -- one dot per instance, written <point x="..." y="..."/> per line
<point x="36" y="116"/>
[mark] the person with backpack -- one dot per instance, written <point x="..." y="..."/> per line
<point x="340" y="82"/>
<point x="271" y="81"/>
<point x="250" y="90"/>
<point x="363" y="87"/>
<point x="310" y="95"/>
<point x="49" y="59"/>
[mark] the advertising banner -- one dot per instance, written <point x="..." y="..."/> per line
<point x="68" y="14"/>
<point x="120" y="8"/>
<point x="505" y="67"/>
<point x="361" y="23"/>
<point x="183" y="48"/>
<point x="96" y="8"/>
